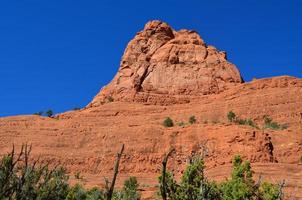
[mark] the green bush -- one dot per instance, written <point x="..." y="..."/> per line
<point x="168" y="122"/>
<point x="39" y="113"/>
<point x="49" y="113"/>
<point x="193" y="184"/>
<point x="231" y="116"/>
<point x="130" y="189"/>
<point x="20" y="180"/>
<point x="192" y="120"/>
<point x="241" y="186"/>
<point x="270" y="124"/>
<point x="248" y="122"/>
<point x="269" y="191"/>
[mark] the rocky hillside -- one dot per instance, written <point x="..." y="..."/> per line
<point x="168" y="73"/>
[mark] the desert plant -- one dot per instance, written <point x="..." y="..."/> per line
<point x="240" y="186"/>
<point x="194" y="184"/>
<point x="270" y="124"/>
<point x="269" y="191"/>
<point x="247" y="122"/>
<point x="231" y="116"/>
<point x="168" y="122"/>
<point x="76" y="108"/>
<point x="21" y="180"/>
<point x="192" y="119"/>
<point x="40" y="113"/>
<point x="49" y="113"/>
<point x="130" y="189"/>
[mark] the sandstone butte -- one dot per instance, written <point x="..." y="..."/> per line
<point x="164" y="73"/>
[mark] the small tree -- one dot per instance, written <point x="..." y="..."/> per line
<point x="130" y="189"/>
<point x="168" y="122"/>
<point x="231" y="116"/>
<point x="21" y="178"/>
<point x="192" y="119"/>
<point x="49" y="113"/>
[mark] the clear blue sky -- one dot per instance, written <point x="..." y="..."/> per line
<point x="58" y="53"/>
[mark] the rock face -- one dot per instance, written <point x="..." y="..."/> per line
<point x="161" y="65"/>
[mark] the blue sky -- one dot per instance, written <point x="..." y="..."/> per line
<point x="57" y="53"/>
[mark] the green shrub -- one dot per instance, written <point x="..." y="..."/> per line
<point x="194" y="184"/>
<point x="130" y="189"/>
<point x="269" y="191"/>
<point x="231" y="116"/>
<point x="21" y="180"/>
<point x="270" y="124"/>
<point x="192" y="119"/>
<point x="39" y="113"/>
<point x="168" y="122"/>
<point x="77" y="192"/>
<point x="49" y="113"/>
<point x="240" y="186"/>
<point x="247" y="122"/>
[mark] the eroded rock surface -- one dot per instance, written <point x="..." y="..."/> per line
<point x="164" y="66"/>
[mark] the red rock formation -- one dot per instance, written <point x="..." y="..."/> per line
<point x="161" y="65"/>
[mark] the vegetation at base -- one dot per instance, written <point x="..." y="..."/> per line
<point x="130" y="189"/>
<point x="270" y="124"/>
<point x="192" y="119"/>
<point x="194" y="185"/>
<point x="24" y="179"/>
<point x="168" y="122"/>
